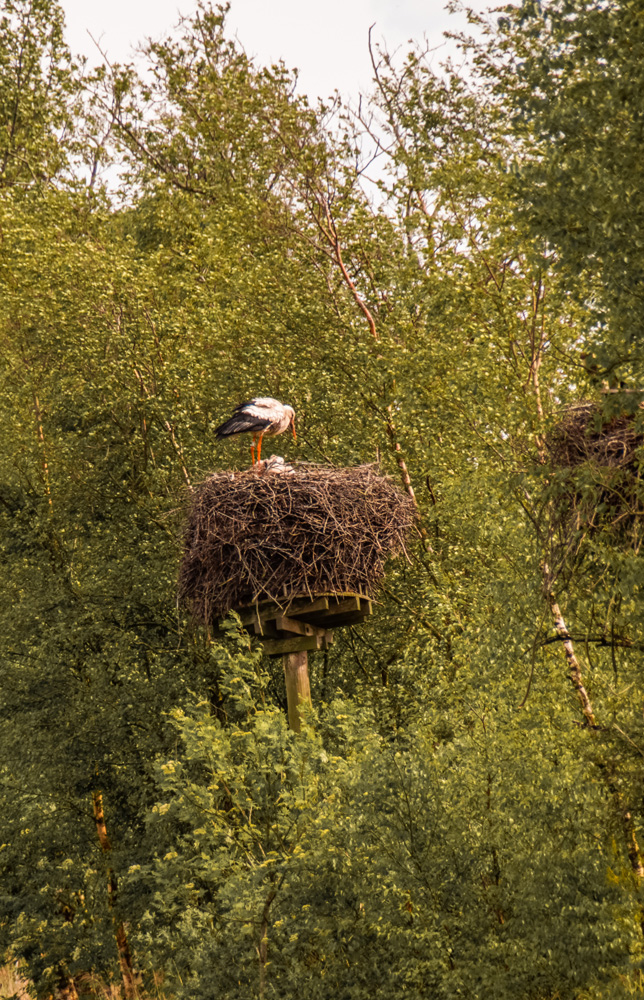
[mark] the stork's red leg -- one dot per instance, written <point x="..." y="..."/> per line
<point x="252" y="451"/>
<point x="259" y="447"/>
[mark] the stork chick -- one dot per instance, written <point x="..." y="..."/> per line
<point x="260" y="417"/>
<point x="275" y="465"/>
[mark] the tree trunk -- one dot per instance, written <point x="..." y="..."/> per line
<point x="576" y="677"/>
<point x="122" y="944"/>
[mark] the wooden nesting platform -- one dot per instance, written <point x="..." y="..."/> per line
<point x="303" y="624"/>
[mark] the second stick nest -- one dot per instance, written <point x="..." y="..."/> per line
<point x="582" y="436"/>
<point x="599" y="484"/>
<point x="317" y="530"/>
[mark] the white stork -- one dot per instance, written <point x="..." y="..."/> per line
<point x="259" y="417"/>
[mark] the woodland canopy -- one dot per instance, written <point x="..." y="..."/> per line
<point x="435" y="281"/>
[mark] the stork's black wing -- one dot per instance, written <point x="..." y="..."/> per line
<point x="241" y="422"/>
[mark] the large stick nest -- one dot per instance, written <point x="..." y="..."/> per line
<point x="599" y="486"/>
<point x="317" y="530"/>
<point x="582" y="436"/>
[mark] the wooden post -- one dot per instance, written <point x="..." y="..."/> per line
<point x="298" y="689"/>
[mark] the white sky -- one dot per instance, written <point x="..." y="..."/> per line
<point x="326" y="41"/>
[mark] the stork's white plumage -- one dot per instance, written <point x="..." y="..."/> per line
<point x="260" y="417"/>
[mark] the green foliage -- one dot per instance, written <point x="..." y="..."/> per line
<point x="364" y="865"/>
<point x="572" y="82"/>
<point x="37" y="94"/>
<point x="448" y="824"/>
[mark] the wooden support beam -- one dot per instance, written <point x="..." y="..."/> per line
<point x="351" y="611"/>
<point x="302" y="624"/>
<point x="269" y="609"/>
<point x="299" y="643"/>
<point x="307" y="607"/>
<point x="285" y="624"/>
<point x="284" y="628"/>
<point x="298" y="689"/>
<point x="342" y="607"/>
<point x="311" y="611"/>
<point x="352" y="607"/>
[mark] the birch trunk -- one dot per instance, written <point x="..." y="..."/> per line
<point x="122" y="944"/>
<point x="576" y="677"/>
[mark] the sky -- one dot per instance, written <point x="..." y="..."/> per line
<point x="327" y="42"/>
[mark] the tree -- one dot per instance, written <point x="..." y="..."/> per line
<point x="38" y="90"/>
<point x="450" y="820"/>
<point x="570" y="76"/>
